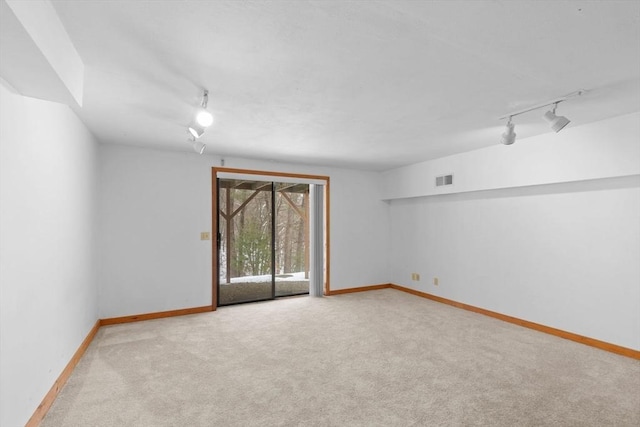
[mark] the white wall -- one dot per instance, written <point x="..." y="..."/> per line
<point x="563" y="255"/>
<point x="154" y="204"/>
<point x="48" y="287"/>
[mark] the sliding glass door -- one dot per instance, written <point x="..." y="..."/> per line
<point x="291" y="239"/>
<point x="262" y="241"/>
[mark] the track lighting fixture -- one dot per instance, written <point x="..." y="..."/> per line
<point x="203" y="118"/>
<point x="509" y="136"/>
<point x="557" y="123"/>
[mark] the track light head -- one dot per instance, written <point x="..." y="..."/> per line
<point x="196" y="130"/>
<point x="557" y="123"/>
<point x="204" y="118"/>
<point x="198" y="146"/>
<point x="509" y="136"/>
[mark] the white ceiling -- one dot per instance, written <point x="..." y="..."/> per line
<point x="364" y="84"/>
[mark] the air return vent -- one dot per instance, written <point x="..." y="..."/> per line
<point x="444" y="180"/>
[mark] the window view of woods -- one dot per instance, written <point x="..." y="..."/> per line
<point x="247" y="254"/>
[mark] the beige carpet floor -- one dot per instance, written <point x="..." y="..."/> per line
<point x="378" y="358"/>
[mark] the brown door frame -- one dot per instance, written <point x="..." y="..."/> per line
<point x="214" y="221"/>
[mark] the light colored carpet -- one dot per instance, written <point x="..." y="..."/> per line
<point x="379" y="358"/>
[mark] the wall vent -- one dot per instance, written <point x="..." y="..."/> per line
<point x="444" y="180"/>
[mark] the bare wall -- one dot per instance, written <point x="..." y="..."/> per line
<point x="48" y="286"/>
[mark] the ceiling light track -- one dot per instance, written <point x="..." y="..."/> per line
<point x="203" y="119"/>
<point x="557" y="123"/>
<point x="538" y="106"/>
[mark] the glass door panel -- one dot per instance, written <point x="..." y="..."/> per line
<point x="291" y="239"/>
<point x="245" y="225"/>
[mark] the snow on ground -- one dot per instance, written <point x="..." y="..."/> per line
<point x="291" y="277"/>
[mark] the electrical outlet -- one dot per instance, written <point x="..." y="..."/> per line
<point x="205" y="235"/>
<point x="436" y="282"/>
